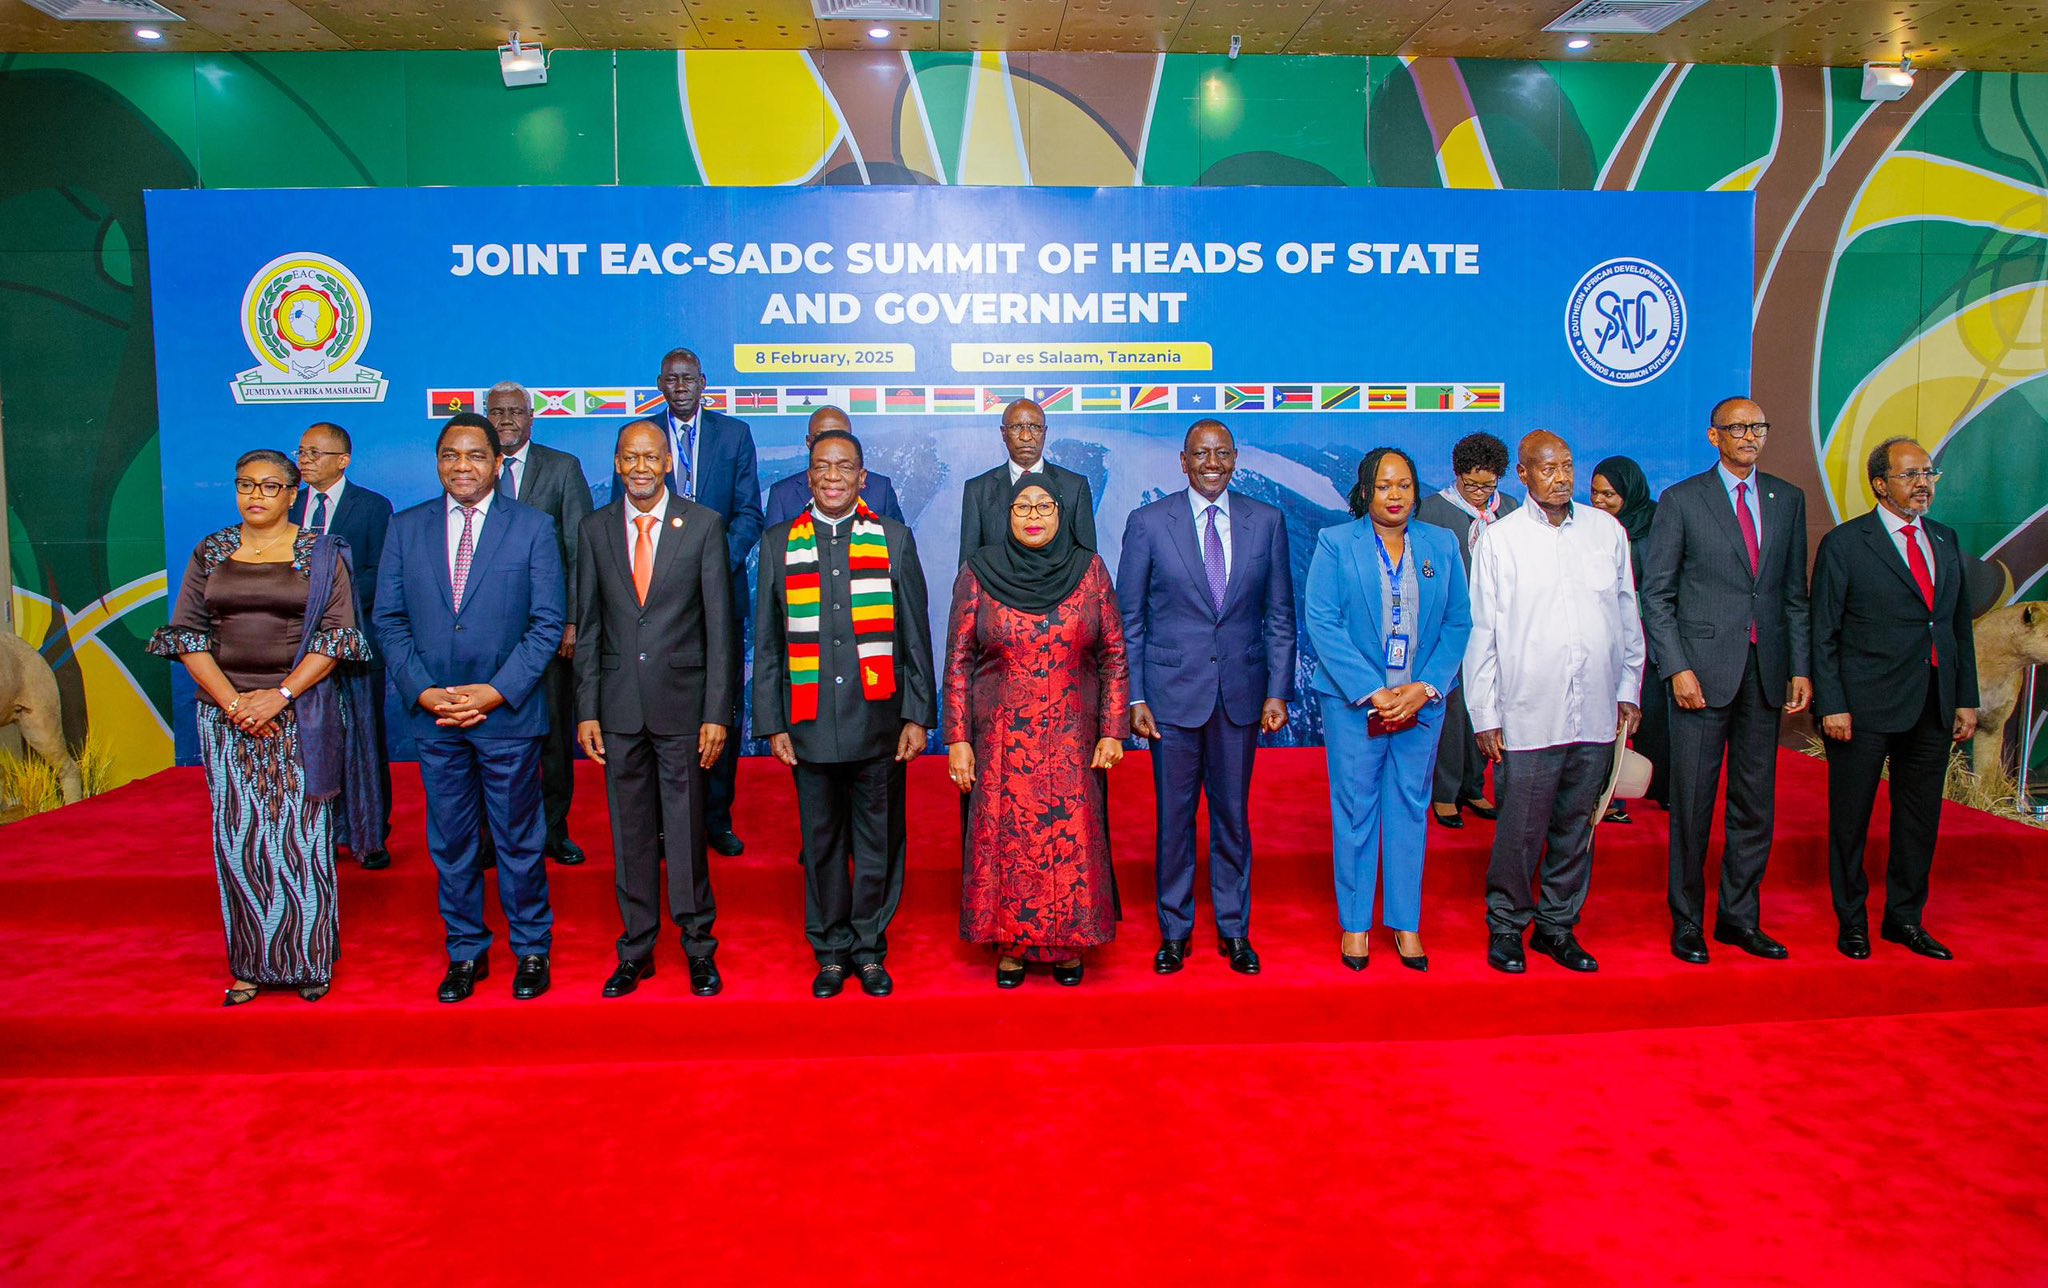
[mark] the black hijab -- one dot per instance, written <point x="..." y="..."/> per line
<point x="1637" y="509"/>
<point x="1032" y="581"/>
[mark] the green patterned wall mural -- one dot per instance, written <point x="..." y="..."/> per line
<point x="1901" y="274"/>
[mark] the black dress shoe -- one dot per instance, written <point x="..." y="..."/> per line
<point x="829" y="982"/>
<point x="1916" y="939"/>
<point x="1480" y="809"/>
<point x="705" y="981"/>
<point x="375" y="861"/>
<point x="1853" y="942"/>
<point x="1453" y="819"/>
<point x="1242" y="959"/>
<point x="875" y="981"/>
<point x="1419" y="961"/>
<point x="1689" y="945"/>
<point x="628" y="976"/>
<point x="727" y="844"/>
<point x="1564" y="949"/>
<point x="1010" y="976"/>
<point x="1172" y="955"/>
<point x="1504" y="953"/>
<point x="1752" y="941"/>
<point x="1067" y="976"/>
<point x="463" y="977"/>
<point x="566" y="852"/>
<point x="532" y="978"/>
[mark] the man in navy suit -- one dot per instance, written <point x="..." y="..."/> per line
<point x="469" y="612"/>
<point x="792" y="496"/>
<point x="1208" y="606"/>
<point x="715" y="466"/>
<point x="358" y="516"/>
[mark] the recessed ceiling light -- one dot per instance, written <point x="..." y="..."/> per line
<point x="1578" y="42"/>
<point x="878" y="33"/>
<point x="148" y="33"/>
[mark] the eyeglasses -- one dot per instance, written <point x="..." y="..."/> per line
<point x="1472" y="487"/>
<point x="1914" y="476"/>
<point x="270" y="488"/>
<point x="1038" y="510"/>
<point x="1757" y="429"/>
<point x="1025" y="427"/>
<point x="314" y="453"/>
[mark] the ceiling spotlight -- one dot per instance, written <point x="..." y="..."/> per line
<point x="522" y="64"/>
<point x="1578" y="42"/>
<point x="878" y="33"/>
<point x="1884" y="82"/>
<point x="148" y="33"/>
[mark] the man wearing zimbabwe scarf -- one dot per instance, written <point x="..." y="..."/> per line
<point x="844" y="693"/>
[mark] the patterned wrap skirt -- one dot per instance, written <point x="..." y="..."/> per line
<point x="273" y="852"/>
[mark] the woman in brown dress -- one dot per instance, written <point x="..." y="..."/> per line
<point x="264" y="611"/>
<point x="1036" y="705"/>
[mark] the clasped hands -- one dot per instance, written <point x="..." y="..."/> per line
<point x="1400" y="704"/>
<point x="461" y="706"/>
<point x="253" y="712"/>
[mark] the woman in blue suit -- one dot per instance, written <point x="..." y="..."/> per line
<point x="1388" y="615"/>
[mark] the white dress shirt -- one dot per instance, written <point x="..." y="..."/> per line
<point x="333" y="495"/>
<point x="1894" y="527"/>
<point x="660" y="513"/>
<point x="1556" y="637"/>
<point x="1756" y="509"/>
<point x="682" y="444"/>
<point x="1201" y="504"/>
<point x="476" y="529"/>
<point x="1017" y="471"/>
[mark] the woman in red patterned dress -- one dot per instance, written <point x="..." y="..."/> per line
<point x="1037" y="703"/>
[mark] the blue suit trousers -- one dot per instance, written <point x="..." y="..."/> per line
<point x="499" y="777"/>
<point x="1379" y="796"/>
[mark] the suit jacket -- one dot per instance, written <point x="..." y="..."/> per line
<point x="553" y="483"/>
<point x="726" y="480"/>
<point x="789" y="496"/>
<point x="1185" y="656"/>
<point x="1872" y="630"/>
<point x="849" y="727"/>
<point x="1439" y="513"/>
<point x="1347" y="626"/>
<point x="985" y="507"/>
<point x="669" y="665"/>
<point x="509" y="626"/>
<point x="1698" y="595"/>
<point x="360" y="519"/>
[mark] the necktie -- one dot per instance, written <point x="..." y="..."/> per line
<point x="319" y="523"/>
<point x="643" y="555"/>
<point x="508" y="483"/>
<point x="465" y="550"/>
<point x="684" y="484"/>
<point x="1747" y="522"/>
<point x="1923" y="576"/>
<point x="1212" y="557"/>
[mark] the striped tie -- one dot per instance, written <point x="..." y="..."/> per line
<point x="465" y="550"/>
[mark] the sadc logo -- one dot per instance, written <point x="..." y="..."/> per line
<point x="1625" y="322"/>
<point x="306" y="318"/>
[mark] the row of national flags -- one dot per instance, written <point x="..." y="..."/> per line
<point x="948" y="400"/>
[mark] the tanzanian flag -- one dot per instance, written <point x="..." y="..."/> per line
<point x="1340" y="398"/>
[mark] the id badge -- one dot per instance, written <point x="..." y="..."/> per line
<point x="1397" y="652"/>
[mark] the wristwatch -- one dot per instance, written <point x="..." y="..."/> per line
<point x="1429" y="691"/>
<point x="287" y="694"/>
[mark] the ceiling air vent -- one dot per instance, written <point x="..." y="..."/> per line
<point x="1628" y="17"/>
<point x="876" y="10"/>
<point x="105" y="10"/>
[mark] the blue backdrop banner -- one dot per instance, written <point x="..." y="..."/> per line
<point x="1317" y="323"/>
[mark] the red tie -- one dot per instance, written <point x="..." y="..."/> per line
<point x="1922" y="577"/>
<point x="1749" y="541"/>
<point x="643" y="555"/>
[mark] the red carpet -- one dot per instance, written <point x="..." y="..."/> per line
<point x="1814" y="1120"/>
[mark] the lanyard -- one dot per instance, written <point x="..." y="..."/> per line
<point x="1393" y="575"/>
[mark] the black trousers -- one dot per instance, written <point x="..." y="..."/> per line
<point x="1460" y="769"/>
<point x="655" y="789"/>
<point x="558" y="750"/>
<point x="855" y="806"/>
<point x="1546" y="798"/>
<point x="1745" y="733"/>
<point x="1653" y="737"/>
<point x="1919" y="768"/>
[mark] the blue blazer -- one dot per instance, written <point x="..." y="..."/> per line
<point x="728" y="480"/>
<point x="1344" y="619"/>
<point x="361" y="520"/>
<point x="509" y="627"/>
<point x="1185" y="656"/>
<point x="789" y="496"/>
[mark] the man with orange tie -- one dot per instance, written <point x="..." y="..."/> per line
<point x="656" y="672"/>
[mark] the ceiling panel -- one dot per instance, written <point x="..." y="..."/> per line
<point x="1268" y="26"/>
<point x="631" y="24"/>
<point x="1000" y="24"/>
<point x="755" y="24"/>
<point x="1361" y="26"/>
<point x="1122" y="26"/>
<point x="439" y="24"/>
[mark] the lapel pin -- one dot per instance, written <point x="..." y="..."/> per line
<point x="1428" y="569"/>
<point x="675" y="523"/>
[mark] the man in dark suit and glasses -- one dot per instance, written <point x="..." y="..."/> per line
<point x="655" y="673"/>
<point x="1208" y="605"/>
<point x="717" y="467"/>
<point x="360" y="517"/>
<point x="1894" y="679"/>
<point x="469" y="614"/>
<point x="985" y="501"/>
<point x="788" y="497"/>
<point x="552" y="482"/>
<point x="1724" y="605"/>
